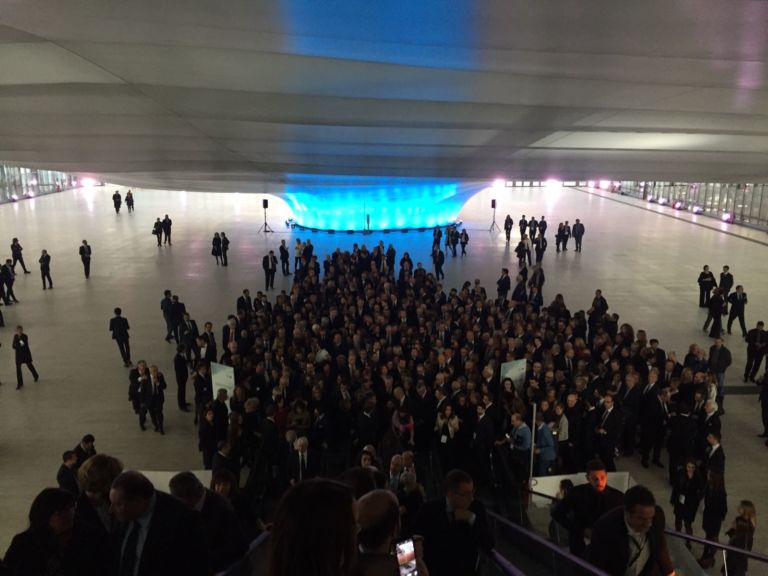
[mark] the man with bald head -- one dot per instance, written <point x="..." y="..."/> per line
<point x="378" y="516"/>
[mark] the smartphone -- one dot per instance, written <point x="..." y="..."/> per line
<point x="406" y="557"/>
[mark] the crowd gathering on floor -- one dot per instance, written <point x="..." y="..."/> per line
<point x="371" y="364"/>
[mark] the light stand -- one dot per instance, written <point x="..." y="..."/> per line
<point x="265" y="227"/>
<point x="494" y="226"/>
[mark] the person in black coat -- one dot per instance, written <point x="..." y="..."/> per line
<point x="584" y="504"/>
<point x="23" y="356"/>
<point x="117" y="200"/>
<point x="66" y="476"/>
<point x="176" y="311"/>
<point x="206" y="436"/>
<point x="681" y="440"/>
<point x="181" y="370"/>
<point x="216" y="247"/>
<point x="737" y="300"/>
<point x="129" y="201"/>
<point x="157" y="231"/>
<point x="301" y="463"/>
<point x="45" y="268"/>
<point x="140" y="391"/>
<point x="687" y="493"/>
<point x="269" y="264"/>
<point x="726" y="283"/>
<point x="438" y="259"/>
<point x="455" y="528"/>
<point x="578" y="233"/>
<point x="16" y="250"/>
<point x="715" y="306"/>
<point x="285" y="258"/>
<point x="503" y="284"/>
<point x="174" y="540"/>
<point x="119" y="328"/>
<point x="654" y="427"/>
<point x="158" y="386"/>
<point x="166" y="224"/>
<point x="224" y="249"/>
<point x="223" y="533"/>
<point x="757" y="342"/>
<point x="85" y="255"/>
<point x="632" y="534"/>
<point x="715" y="510"/>
<point x="607" y="432"/>
<point x="46" y="547"/>
<point x="707" y="283"/>
<point x="203" y="387"/>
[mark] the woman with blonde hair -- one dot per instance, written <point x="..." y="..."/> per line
<point x="741" y="535"/>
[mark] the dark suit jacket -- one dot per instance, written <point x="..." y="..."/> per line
<point x="175" y="541"/>
<point x="21" y="346"/>
<point x="452" y="548"/>
<point x="581" y="508"/>
<point x="715" y="461"/>
<point x="68" y="480"/>
<point x="292" y="466"/>
<point x="609" y="549"/>
<point x="188" y="333"/>
<point x="223" y="533"/>
<point x="119" y="327"/>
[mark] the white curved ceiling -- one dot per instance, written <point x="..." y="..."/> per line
<point x="213" y="95"/>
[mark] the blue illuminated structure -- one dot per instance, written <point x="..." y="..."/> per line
<point x="346" y="202"/>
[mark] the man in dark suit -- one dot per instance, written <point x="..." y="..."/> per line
<point x="140" y="391"/>
<point x="157" y="533"/>
<point x="285" y="258"/>
<point x="23" y="356"/>
<point x="438" y="259"/>
<point x="45" y="268"/>
<point x="223" y="533"/>
<point x="119" y="328"/>
<point x="7" y="278"/>
<point x="176" y="314"/>
<point x="629" y="401"/>
<point x="301" y="464"/>
<point x="157" y="383"/>
<point x="245" y="303"/>
<point x="707" y="283"/>
<point x="167" y="223"/>
<point x="503" y="284"/>
<point x="715" y="457"/>
<point x="630" y="538"/>
<point x="738" y="300"/>
<point x="654" y="427"/>
<point x="607" y="432"/>
<point x="188" y="333"/>
<point x="84" y="450"/>
<point x="708" y="423"/>
<point x="584" y="504"/>
<point x="66" y="476"/>
<point x="455" y="528"/>
<point x="719" y="361"/>
<point x="578" y="233"/>
<point x="726" y="283"/>
<point x="757" y="341"/>
<point x="85" y="256"/>
<point x="203" y="387"/>
<point x="269" y="263"/>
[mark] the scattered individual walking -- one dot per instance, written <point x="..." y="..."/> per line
<point x="45" y="268"/>
<point x="216" y="247"/>
<point x="85" y="256"/>
<point x="117" y="200"/>
<point x="224" y="249"/>
<point x="16" y="250"/>
<point x="167" y="223"/>
<point x="23" y="356"/>
<point x="157" y="230"/>
<point x="119" y="328"/>
<point x="129" y="201"/>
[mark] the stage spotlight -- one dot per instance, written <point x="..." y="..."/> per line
<point x="553" y="183"/>
<point x="727" y="217"/>
<point x="697" y="209"/>
<point x="663" y="201"/>
<point x="679" y="205"/>
<point x="499" y="183"/>
<point x="33" y="182"/>
<point x="604" y="184"/>
<point x="14" y="197"/>
<point x="88" y="182"/>
<point x="651" y="200"/>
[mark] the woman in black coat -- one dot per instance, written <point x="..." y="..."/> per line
<point x="216" y="247"/>
<point x="715" y="509"/>
<point x="45" y="549"/>
<point x="686" y="497"/>
<point x="23" y="356"/>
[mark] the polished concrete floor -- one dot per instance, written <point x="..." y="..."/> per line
<point x="645" y="263"/>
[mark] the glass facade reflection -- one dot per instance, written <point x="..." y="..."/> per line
<point x="744" y="203"/>
<point x="17" y="183"/>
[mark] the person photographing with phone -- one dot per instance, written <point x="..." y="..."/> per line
<point x="378" y="515"/>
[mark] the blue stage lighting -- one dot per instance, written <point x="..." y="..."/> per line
<point x="345" y="202"/>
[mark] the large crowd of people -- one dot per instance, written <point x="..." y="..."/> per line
<point x="371" y="363"/>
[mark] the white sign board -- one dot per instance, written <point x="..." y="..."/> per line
<point x="222" y="377"/>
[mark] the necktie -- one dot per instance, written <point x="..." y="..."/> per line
<point x="605" y="417"/>
<point x="130" y="559"/>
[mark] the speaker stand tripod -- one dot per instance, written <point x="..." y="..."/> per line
<point x="494" y="226"/>
<point x="265" y="227"/>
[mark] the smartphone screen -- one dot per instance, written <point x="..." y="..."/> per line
<point x="406" y="558"/>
